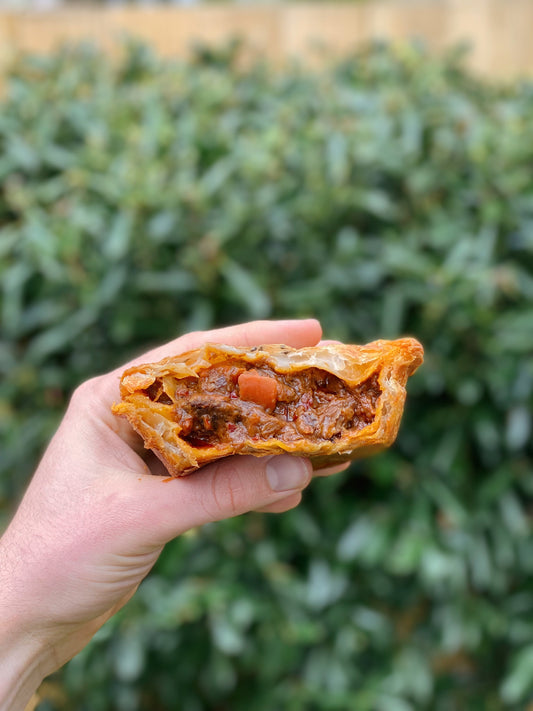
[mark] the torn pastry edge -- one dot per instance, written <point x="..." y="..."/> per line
<point x="395" y="361"/>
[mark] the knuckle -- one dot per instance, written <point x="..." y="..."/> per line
<point x="86" y="394"/>
<point x="229" y="492"/>
<point x="82" y="393"/>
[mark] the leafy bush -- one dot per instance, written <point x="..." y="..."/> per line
<point x="390" y="194"/>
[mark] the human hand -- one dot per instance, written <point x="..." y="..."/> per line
<point x="94" y="518"/>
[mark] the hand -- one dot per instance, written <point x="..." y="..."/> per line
<point x="94" y="518"/>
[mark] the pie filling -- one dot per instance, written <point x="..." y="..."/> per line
<point x="235" y="402"/>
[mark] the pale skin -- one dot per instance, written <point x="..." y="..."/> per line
<point x="98" y="512"/>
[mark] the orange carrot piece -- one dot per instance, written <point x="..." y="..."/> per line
<point x="258" y="388"/>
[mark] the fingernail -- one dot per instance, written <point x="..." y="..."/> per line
<point x="285" y="473"/>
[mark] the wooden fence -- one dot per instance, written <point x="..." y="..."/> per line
<point x="498" y="31"/>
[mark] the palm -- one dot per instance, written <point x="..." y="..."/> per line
<point x="94" y="518"/>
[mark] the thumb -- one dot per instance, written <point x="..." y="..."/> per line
<point x="226" y="488"/>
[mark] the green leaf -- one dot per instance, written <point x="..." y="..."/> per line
<point x="518" y="683"/>
<point x="246" y="288"/>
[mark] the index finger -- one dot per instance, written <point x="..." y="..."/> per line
<point x="295" y="332"/>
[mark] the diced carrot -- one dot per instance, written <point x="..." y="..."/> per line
<point x="258" y="388"/>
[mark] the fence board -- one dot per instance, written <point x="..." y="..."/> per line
<point x="499" y="31"/>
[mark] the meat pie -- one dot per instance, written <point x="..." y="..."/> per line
<point x="331" y="403"/>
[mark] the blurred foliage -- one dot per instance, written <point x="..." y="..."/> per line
<point x="390" y="194"/>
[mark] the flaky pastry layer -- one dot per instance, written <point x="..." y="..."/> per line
<point x="331" y="403"/>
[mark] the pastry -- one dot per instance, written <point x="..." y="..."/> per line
<point x="331" y="403"/>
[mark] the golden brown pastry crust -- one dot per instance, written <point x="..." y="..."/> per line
<point x="392" y="362"/>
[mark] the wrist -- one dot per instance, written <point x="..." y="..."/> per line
<point x="22" y="666"/>
<point x="24" y="661"/>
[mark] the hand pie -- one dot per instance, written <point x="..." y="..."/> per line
<point x="330" y="403"/>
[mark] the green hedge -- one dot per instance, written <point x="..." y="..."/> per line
<point x="391" y="194"/>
